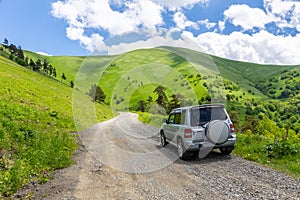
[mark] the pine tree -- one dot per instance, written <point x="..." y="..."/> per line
<point x="161" y="96"/>
<point x="175" y="101"/>
<point x="19" y="53"/>
<point x="32" y="64"/>
<point x="97" y="94"/>
<point x="141" y="106"/>
<point x="54" y="72"/>
<point x="5" y="43"/>
<point x="38" y="65"/>
<point x="63" y="76"/>
<point x="45" y="66"/>
<point x="50" y="70"/>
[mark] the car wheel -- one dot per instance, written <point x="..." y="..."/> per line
<point x="226" y="150"/>
<point x="163" y="141"/>
<point x="195" y="154"/>
<point x="181" y="149"/>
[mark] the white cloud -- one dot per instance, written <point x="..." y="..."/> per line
<point x="99" y="15"/>
<point x="262" y="47"/>
<point x="43" y="53"/>
<point x="287" y="10"/>
<point x="207" y="24"/>
<point x="182" y="22"/>
<point x="221" y="25"/>
<point x="178" y="4"/>
<point x="185" y="41"/>
<point x="92" y="43"/>
<point x="247" y="17"/>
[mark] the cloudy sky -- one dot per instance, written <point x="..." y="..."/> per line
<point x="265" y="31"/>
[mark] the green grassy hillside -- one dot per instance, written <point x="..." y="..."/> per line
<point x="83" y="68"/>
<point x="36" y="125"/>
<point x="132" y="76"/>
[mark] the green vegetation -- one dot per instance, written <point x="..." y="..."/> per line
<point x="36" y="126"/>
<point x="270" y="145"/>
<point x="153" y="119"/>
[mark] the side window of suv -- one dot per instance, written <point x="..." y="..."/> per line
<point x="182" y="118"/>
<point x="179" y="117"/>
<point x="171" y="118"/>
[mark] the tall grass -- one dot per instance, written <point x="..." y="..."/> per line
<point x="36" y="126"/>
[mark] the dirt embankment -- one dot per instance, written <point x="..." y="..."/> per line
<point x="121" y="159"/>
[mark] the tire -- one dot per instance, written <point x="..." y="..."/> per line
<point x="181" y="151"/>
<point x="217" y="132"/>
<point x="163" y="140"/>
<point x="226" y="150"/>
<point x="196" y="154"/>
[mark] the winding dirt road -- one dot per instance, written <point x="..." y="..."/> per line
<point x="122" y="159"/>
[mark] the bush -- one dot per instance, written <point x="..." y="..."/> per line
<point x="279" y="149"/>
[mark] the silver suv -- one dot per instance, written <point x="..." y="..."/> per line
<point x="199" y="128"/>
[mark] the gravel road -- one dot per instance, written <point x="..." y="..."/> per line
<point x="122" y="159"/>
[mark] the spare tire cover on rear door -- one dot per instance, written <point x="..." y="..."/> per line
<point x="217" y="132"/>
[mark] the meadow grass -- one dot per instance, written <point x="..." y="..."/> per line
<point x="36" y="126"/>
<point x="255" y="148"/>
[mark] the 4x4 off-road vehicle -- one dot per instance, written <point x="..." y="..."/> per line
<point x="198" y="128"/>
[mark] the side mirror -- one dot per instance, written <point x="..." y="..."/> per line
<point x="164" y="121"/>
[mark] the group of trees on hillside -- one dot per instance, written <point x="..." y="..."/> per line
<point x="287" y="85"/>
<point x="16" y="54"/>
<point x="175" y="101"/>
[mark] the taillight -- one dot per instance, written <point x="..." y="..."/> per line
<point x="188" y="133"/>
<point x="231" y="128"/>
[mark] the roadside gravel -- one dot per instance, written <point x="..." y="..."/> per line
<point x="127" y="168"/>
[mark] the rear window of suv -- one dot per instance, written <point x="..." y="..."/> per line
<point x="202" y="115"/>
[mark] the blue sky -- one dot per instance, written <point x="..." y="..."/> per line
<point x="265" y="31"/>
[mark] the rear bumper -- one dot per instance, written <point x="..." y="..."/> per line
<point x="204" y="144"/>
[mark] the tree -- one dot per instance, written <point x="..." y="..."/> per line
<point x="50" y="70"/>
<point x="45" y="66"/>
<point x="5" y="43"/>
<point x="19" y="53"/>
<point x="161" y="96"/>
<point x="175" y="101"/>
<point x="141" y="106"/>
<point x="37" y="66"/>
<point x="97" y="94"/>
<point x="32" y="64"/>
<point x="54" y="72"/>
<point x="72" y="84"/>
<point x="63" y="76"/>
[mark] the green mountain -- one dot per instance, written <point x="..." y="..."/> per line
<point x="134" y="75"/>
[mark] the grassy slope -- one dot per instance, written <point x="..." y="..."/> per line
<point x="36" y="120"/>
<point x="138" y="72"/>
<point x="84" y="69"/>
